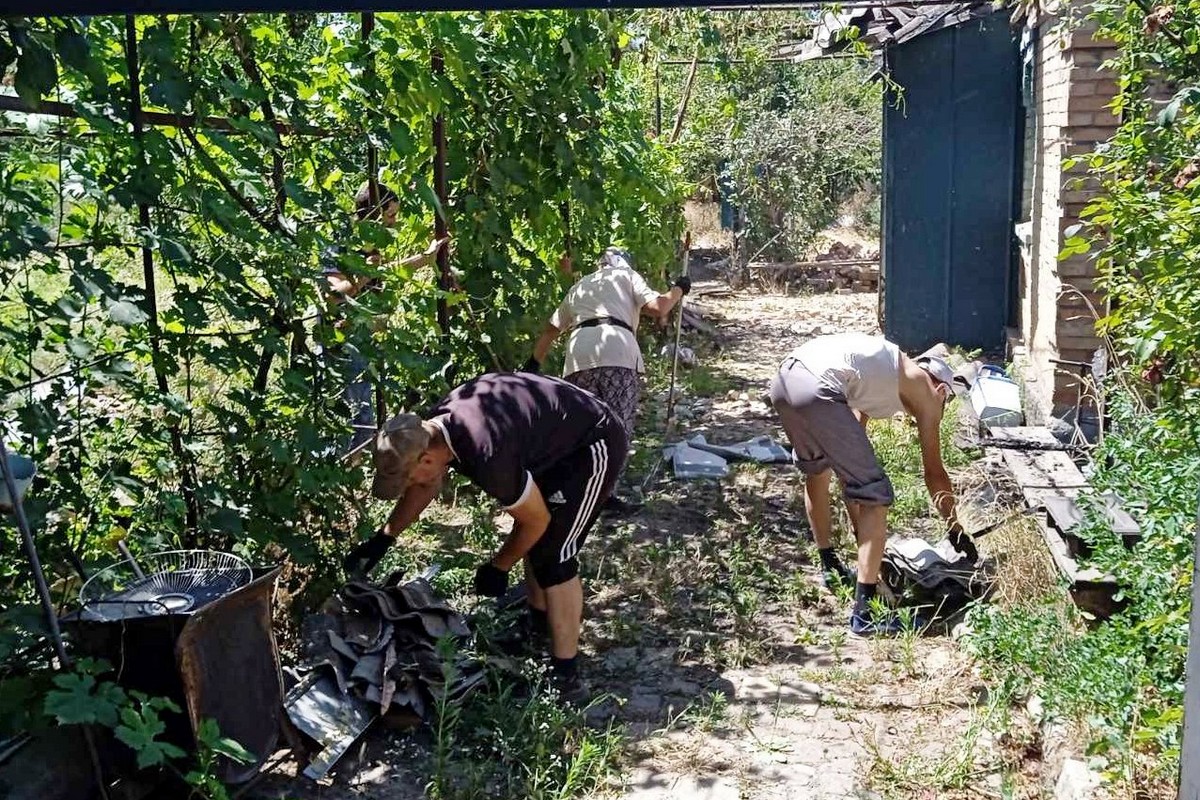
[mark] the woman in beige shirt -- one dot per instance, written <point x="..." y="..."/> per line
<point x="601" y="313"/>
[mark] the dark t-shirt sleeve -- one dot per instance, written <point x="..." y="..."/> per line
<point x="507" y="429"/>
<point x="496" y="467"/>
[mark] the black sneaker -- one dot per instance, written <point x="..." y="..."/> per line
<point x="571" y="688"/>
<point x="617" y="507"/>
<point x="839" y="575"/>
<point x="867" y="625"/>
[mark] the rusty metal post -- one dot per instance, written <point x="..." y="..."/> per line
<point x="47" y="603"/>
<point x="187" y="488"/>
<point x="440" y="227"/>
<point x="35" y="563"/>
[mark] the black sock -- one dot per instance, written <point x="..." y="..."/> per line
<point x="538" y="620"/>
<point x="864" y="593"/>
<point x="564" y="667"/>
<point x="829" y="559"/>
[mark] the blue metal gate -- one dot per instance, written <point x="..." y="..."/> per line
<point x="951" y="168"/>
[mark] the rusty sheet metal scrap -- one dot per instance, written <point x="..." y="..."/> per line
<point x="374" y="649"/>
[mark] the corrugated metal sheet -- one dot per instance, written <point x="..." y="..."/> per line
<point x="884" y="25"/>
<point x="950" y="172"/>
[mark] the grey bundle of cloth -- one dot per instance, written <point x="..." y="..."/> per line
<point x="381" y="642"/>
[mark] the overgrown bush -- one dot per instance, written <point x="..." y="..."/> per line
<point x="166" y="352"/>
<point x="1124" y="677"/>
<point x="785" y="143"/>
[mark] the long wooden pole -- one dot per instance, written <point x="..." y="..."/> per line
<point x="1189" y="754"/>
<point x="687" y="243"/>
<point x="683" y="101"/>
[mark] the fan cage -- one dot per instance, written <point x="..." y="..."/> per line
<point x="171" y="582"/>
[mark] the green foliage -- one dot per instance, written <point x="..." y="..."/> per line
<point x="164" y="294"/>
<point x="1124" y="677"/>
<point x="788" y="143"/>
<point x="515" y="738"/>
<point x="211" y="745"/>
<point x="84" y="696"/>
<point x="1143" y="226"/>
<point x="79" y="698"/>
<point x="140" y="727"/>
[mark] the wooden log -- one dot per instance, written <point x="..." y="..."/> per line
<point x="791" y="266"/>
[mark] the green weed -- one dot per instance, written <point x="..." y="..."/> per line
<point x="956" y="768"/>
<point x="517" y="739"/>
<point x="1124" y="676"/>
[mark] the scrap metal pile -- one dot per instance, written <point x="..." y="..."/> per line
<point x="380" y="642"/>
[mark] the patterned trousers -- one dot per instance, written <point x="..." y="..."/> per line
<point x="617" y="387"/>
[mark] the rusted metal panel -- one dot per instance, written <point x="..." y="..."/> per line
<point x="229" y="666"/>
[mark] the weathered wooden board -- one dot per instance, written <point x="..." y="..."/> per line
<point x="1021" y="437"/>
<point x="1067" y="512"/>
<point x="1092" y="590"/>
<point x="1044" y="469"/>
<point x="1037" y="497"/>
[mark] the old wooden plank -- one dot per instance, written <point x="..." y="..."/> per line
<point x="1058" y="551"/>
<point x="1036" y="497"/>
<point x="1067" y="513"/>
<point x="1028" y="437"/>
<point x="1043" y="469"/>
<point x="1091" y="590"/>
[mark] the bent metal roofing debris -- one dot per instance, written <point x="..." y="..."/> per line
<point x="882" y="25"/>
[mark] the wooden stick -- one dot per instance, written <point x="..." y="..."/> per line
<point x="687" y="243"/>
<point x="683" y="100"/>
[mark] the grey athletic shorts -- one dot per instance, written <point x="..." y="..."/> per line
<point x="825" y="434"/>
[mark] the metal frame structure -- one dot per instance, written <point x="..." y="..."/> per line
<point x="63" y="8"/>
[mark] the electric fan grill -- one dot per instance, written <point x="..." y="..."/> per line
<point x="173" y="582"/>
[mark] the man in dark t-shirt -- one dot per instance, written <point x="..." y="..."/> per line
<point x="548" y="451"/>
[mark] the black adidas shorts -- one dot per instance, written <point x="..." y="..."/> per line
<point x="574" y="490"/>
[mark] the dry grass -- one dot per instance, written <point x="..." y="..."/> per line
<point x="1025" y="572"/>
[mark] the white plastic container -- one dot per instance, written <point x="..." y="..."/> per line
<point x="996" y="399"/>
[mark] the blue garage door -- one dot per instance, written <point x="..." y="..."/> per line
<point x="950" y="162"/>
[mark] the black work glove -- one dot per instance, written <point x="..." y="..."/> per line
<point x="490" y="580"/>
<point x="684" y="283"/>
<point x="363" y="558"/>
<point x="532" y="365"/>
<point x="963" y="543"/>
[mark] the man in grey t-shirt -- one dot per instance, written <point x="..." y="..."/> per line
<point x="825" y="392"/>
<point x="548" y="451"/>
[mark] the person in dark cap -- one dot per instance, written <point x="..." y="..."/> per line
<point x="548" y="451"/>
<point x="825" y="392"/>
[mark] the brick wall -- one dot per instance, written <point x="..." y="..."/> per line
<point x="1071" y="91"/>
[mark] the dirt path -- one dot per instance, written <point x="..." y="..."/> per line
<point x="732" y="668"/>
<point x="789" y="706"/>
